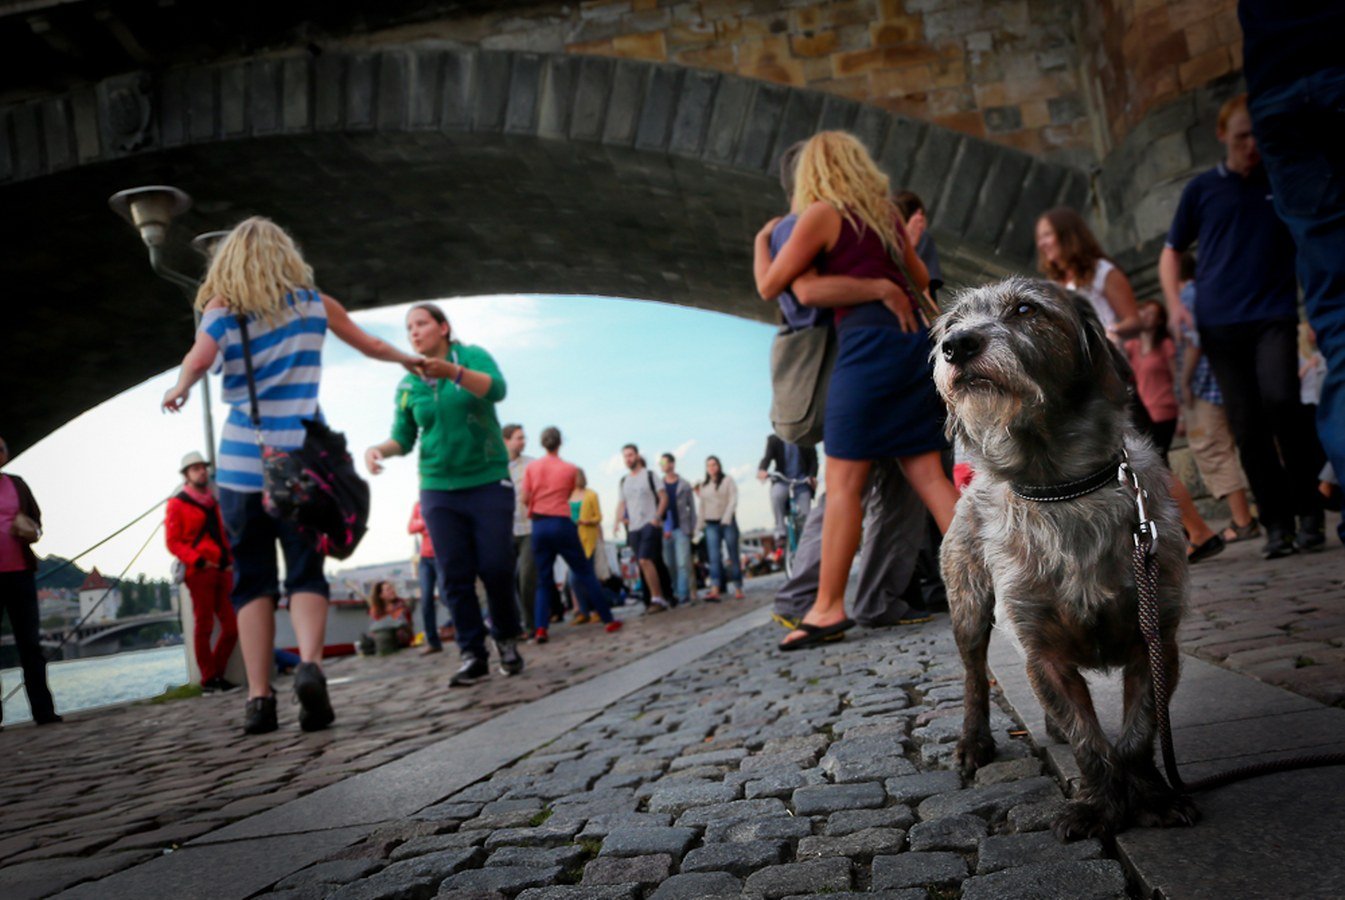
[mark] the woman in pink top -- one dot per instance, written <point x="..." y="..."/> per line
<point x="1152" y="356"/>
<point x="547" y="485"/>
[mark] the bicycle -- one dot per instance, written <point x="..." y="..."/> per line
<point x="793" y="517"/>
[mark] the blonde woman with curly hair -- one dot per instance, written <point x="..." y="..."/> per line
<point x="849" y="251"/>
<point x="258" y="275"/>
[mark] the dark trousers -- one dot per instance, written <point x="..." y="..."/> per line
<point x="554" y="536"/>
<point x="1256" y="365"/>
<point x="1299" y="129"/>
<point x="427" y="570"/>
<point x="18" y="601"/>
<point x="473" y="534"/>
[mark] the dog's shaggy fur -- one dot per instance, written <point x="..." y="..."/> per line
<point x="1038" y="395"/>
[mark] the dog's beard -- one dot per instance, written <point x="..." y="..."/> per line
<point x="987" y="401"/>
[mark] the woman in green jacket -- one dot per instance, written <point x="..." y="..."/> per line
<point x="466" y="496"/>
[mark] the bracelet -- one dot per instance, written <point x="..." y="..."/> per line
<point x="457" y="380"/>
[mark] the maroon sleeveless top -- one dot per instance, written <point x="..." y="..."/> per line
<point x="859" y="252"/>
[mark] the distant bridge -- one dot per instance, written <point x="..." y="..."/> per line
<point x="96" y="638"/>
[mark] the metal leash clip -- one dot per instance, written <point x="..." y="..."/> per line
<point x="1147" y="528"/>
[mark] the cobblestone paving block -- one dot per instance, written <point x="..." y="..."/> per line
<point x="551" y="788"/>
<point x="828" y="798"/>
<point x="650" y="763"/>
<point x="876" y="769"/>
<point x="736" y="811"/>
<point x="914" y="788"/>
<point x="1008" y="770"/>
<point x="337" y="871"/>
<point x="433" y="843"/>
<point x="811" y="877"/>
<point x="743" y="776"/>
<point x="643" y="870"/>
<point x="848" y="821"/>
<point x="1008" y="851"/>
<point x="482" y="792"/>
<point x="850" y="749"/>
<point x="811" y="743"/>
<point x="583" y="892"/>
<point x="548" y="834"/>
<point x="597" y="802"/>
<point x="310" y="892"/>
<point x="411" y="878"/>
<point x="718" y="758"/>
<point x="917" y="870"/>
<point x="782" y="784"/>
<point x="503" y="879"/>
<point x="537" y="857"/>
<point x="648" y="841"/>
<point x="680" y="798"/>
<point x="511" y="804"/>
<point x="602" y="825"/>
<point x="938" y="756"/>
<point x="469" y="894"/>
<point x="863" y="844"/>
<point x="697" y="886"/>
<point x="798" y="757"/>
<point x="450" y="810"/>
<point x="1095" y="879"/>
<point x="517" y="818"/>
<point x="739" y="858"/>
<point x="1040" y="816"/>
<point x="620" y="780"/>
<point x="908" y="894"/>
<point x="779" y="827"/>
<point x="992" y="802"/>
<point x="960" y="832"/>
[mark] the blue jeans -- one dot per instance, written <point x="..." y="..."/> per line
<point x="716" y="535"/>
<point x="554" y="536"/>
<point x="1300" y="130"/>
<point x="430" y="577"/>
<point x="677" y="556"/>
<point x="473" y="534"/>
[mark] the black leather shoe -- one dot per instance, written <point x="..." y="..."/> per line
<point x="1311" y="533"/>
<point x="472" y="670"/>
<point x="315" y="707"/>
<point x="1278" y="544"/>
<point x="511" y="662"/>
<point x="259" y="716"/>
<point x="52" y="719"/>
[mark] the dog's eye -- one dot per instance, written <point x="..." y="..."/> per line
<point x="1024" y="309"/>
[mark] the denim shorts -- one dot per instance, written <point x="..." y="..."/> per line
<point x="647" y="542"/>
<point x="253" y="533"/>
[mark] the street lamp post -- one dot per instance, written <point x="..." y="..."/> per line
<point x="151" y="210"/>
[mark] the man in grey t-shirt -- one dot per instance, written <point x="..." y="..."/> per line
<point x="642" y="506"/>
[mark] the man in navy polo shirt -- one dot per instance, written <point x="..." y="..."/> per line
<point x="1247" y="316"/>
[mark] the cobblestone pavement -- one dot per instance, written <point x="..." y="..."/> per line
<point x="113" y="787"/>
<point x="751" y="773"/>
<point x="1282" y="621"/>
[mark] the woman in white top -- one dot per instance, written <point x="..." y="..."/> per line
<point x="719" y="504"/>
<point x="1069" y="254"/>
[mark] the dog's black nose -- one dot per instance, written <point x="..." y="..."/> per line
<point x="961" y="346"/>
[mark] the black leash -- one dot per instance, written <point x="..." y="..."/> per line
<point x="1146" y="584"/>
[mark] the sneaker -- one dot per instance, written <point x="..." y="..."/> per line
<point x="472" y="670"/>
<point x="1278" y="544"/>
<point x="259" y="716"/>
<point x="208" y="686"/>
<point x="614" y="625"/>
<point x="511" y="663"/>
<point x="310" y="688"/>
<point x="224" y="685"/>
<point x="540" y="636"/>
<point x="1311" y="534"/>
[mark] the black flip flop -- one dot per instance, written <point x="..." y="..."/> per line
<point x="818" y="634"/>
<point x="1212" y="547"/>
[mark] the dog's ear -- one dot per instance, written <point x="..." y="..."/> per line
<point x="1100" y="361"/>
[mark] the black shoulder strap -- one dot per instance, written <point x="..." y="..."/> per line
<point x="211" y="523"/>
<point x="652" y="487"/>
<point x="252" y="381"/>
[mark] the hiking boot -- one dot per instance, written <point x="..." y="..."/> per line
<point x="511" y="662"/>
<point x="1311" y="533"/>
<point x="1278" y="544"/>
<point x="259" y="716"/>
<point x="315" y="707"/>
<point x="473" y="669"/>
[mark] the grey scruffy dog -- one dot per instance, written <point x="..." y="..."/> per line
<point x="1039" y="396"/>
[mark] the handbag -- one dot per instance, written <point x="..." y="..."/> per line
<point x="801" y="364"/>
<point x="316" y="486"/>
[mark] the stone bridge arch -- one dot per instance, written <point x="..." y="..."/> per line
<point x="431" y="169"/>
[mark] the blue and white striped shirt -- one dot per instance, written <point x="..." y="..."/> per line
<point x="287" y="365"/>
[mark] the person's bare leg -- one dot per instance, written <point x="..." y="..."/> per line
<point x="926" y="475"/>
<point x="650" y="572"/>
<point x="308" y="613"/>
<point x="1198" y="530"/>
<point x="846" y="480"/>
<point x="1240" y="508"/>
<point x="257" y="638"/>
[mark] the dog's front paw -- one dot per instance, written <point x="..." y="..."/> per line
<point x="974" y="751"/>
<point x="1082" y="820"/>
<point x="1169" y="811"/>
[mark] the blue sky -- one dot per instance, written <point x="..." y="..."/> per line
<point x="605" y="371"/>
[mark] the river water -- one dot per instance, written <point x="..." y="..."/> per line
<point x="100" y="681"/>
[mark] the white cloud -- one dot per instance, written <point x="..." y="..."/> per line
<point x="513" y="320"/>
<point x="614" y="466"/>
<point x="683" y="449"/>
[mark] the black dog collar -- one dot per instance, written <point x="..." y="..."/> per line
<point x="1069" y="490"/>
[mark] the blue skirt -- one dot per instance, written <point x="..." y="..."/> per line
<point x="882" y="402"/>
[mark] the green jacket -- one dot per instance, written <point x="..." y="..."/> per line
<point x="460" y="446"/>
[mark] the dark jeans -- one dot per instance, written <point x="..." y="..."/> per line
<point x="18" y="601"/>
<point x="473" y="534"/>
<point x="554" y="536"/>
<point x="430" y="577"/>
<point x="1256" y="364"/>
<point x="1300" y="131"/>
